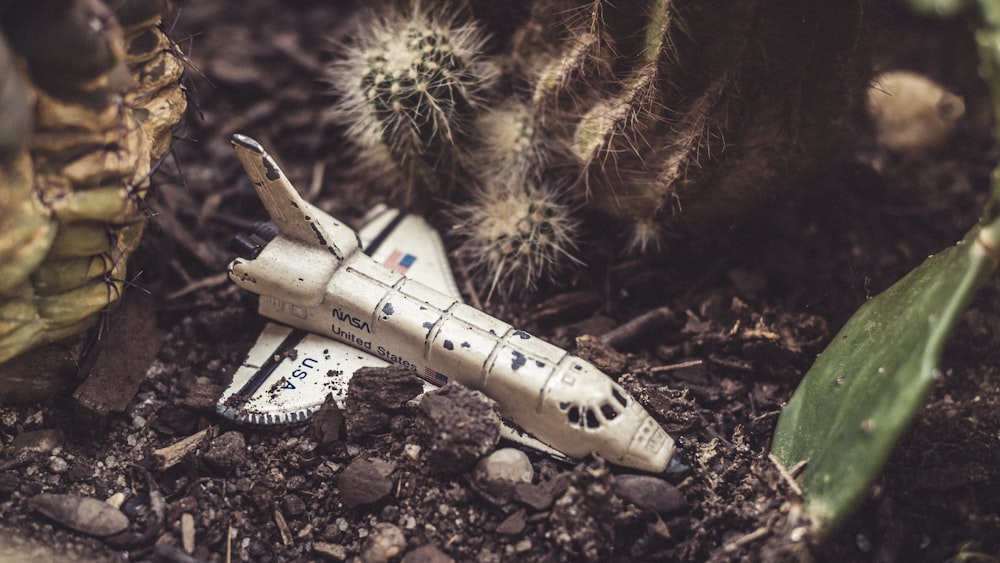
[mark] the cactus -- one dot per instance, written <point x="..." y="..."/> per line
<point x="517" y="232"/>
<point x="666" y="115"/>
<point x="95" y="94"/>
<point x="408" y="88"/>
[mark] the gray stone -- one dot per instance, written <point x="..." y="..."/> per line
<point x="499" y="472"/>
<point x="365" y="482"/>
<point x="459" y="426"/>
<point x="227" y="452"/>
<point x="84" y="514"/>
<point x="650" y="493"/>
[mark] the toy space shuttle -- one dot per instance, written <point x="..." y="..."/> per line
<point x="350" y="301"/>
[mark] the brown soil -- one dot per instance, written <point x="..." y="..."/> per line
<point x="750" y="309"/>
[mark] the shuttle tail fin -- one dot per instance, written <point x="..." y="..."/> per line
<point x="283" y="203"/>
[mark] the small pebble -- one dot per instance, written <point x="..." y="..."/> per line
<point x="293" y="506"/>
<point x="58" y="465"/>
<point x="412" y="451"/>
<point x="330" y="551"/>
<point x="36" y="441"/>
<point x="187" y="532"/>
<point x="83" y="514"/>
<point x="500" y="471"/>
<point x="116" y="500"/>
<point x="428" y="553"/>
<point x="386" y="541"/>
<point x="227" y="452"/>
<point x="650" y="493"/>
<point x="512" y="525"/>
<point x="523" y="546"/>
<point x="365" y="482"/>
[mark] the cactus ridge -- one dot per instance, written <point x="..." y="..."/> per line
<point x="77" y="185"/>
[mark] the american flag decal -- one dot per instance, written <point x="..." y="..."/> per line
<point x="400" y="261"/>
<point x="433" y="377"/>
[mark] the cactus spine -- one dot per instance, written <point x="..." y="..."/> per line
<point x="409" y="85"/>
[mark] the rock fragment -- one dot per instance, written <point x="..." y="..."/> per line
<point x="498" y="473"/>
<point x="373" y="393"/>
<point x="365" y="482"/>
<point x="330" y="551"/>
<point x="227" y="452"/>
<point x="459" y="426"/>
<point x="83" y="514"/>
<point x="649" y="492"/>
<point x="513" y="525"/>
<point x="385" y="542"/>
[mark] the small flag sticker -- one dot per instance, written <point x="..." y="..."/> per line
<point x="433" y="377"/>
<point x="400" y="261"/>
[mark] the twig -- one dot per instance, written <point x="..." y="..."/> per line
<point x="172" y="454"/>
<point x="672" y="367"/>
<point x="203" y="283"/>
<point x="638" y="327"/>
<point x="286" y="534"/>
<point x="786" y="474"/>
<point x="741" y="541"/>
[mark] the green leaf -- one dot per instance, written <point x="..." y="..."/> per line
<point x="865" y="388"/>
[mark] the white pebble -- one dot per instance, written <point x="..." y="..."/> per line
<point x="58" y="465"/>
<point x="912" y="113"/>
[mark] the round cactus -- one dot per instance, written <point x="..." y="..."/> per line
<point x="101" y="89"/>
<point x="408" y="85"/>
<point x="516" y="234"/>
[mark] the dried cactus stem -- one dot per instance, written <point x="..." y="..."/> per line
<point x="101" y="116"/>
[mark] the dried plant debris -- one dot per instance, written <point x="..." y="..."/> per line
<point x="92" y="95"/>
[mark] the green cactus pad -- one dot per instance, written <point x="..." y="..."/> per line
<point x="865" y="388"/>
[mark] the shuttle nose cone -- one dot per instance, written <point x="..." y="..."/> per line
<point x="650" y="449"/>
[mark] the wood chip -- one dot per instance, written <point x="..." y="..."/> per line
<point x="286" y="534"/>
<point x="187" y="532"/>
<point x="174" y="453"/>
<point x="124" y="354"/>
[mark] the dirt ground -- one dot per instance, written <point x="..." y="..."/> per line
<point x="747" y="311"/>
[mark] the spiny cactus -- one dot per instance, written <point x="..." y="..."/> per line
<point x="409" y="84"/>
<point x="665" y="115"/>
<point x="516" y="233"/>
<point x="509" y="143"/>
<point x="102" y="92"/>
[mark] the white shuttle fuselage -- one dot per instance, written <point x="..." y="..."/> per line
<point x="314" y="276"/>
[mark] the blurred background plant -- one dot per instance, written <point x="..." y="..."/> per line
<point x="89" y="94"/>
